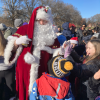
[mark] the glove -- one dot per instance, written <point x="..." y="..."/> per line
<point x="68" y="50"/>
<point x="29" y="58"/>
<point x="62" y="50"/>
<point x="23" y="40"/>
<point x="65" y="44"/>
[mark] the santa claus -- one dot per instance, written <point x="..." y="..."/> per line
<point x="33" y="45"/>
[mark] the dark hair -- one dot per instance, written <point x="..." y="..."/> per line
<point x="96" y="29"/>
<point x="85" y="33"/>
<point x="84" y="24"/>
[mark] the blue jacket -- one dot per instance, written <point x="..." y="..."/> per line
<point x="66" y="32"/>
<point x="35" y="93"/>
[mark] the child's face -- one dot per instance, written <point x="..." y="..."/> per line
<point x="73" y="45"/>
<point x="90" y="49"/>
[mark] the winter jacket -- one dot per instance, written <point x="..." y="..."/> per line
<point x="7" y="32"/>
<point x="79" y="35"/>
<point x="13" y="30"/>
<point x="66" y="32"/>
<point x="84" y="72"/>
<point x="94" y="85"/>
<point x="3" y="66"/>
<point x="50" y="88"/>
<point x="76" y="57"/>
<point x="87" y="38"/>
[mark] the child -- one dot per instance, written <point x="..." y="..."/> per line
<point x="53" y="86"/>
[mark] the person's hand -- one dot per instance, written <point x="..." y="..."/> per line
<point x="61" y="51"/>
<point x="97" y="75"/>
<point x="68" y="50"/>
<point x="65" y="44"/>
<point x="23" y="40"/>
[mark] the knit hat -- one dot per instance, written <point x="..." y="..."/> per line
<point x="61" y="39"/>
<point x="18" y="22"/>
<point x="73" y="25"/>
<point x="44" y="13"/>
<point x="74" y="40"/>
<point x="2" y="27"/>
<point x="58" y="66"/>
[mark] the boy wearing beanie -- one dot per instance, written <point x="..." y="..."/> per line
<point x="53" y="86"/>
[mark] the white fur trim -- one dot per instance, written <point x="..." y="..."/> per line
<point x="29" y="58"/>
<point x="74" y="41"/>
<point x="45" y="48"/>
<point x="8" y="52"/>
<point x="35" y="66"/>
<point x="56" y="51"/>
<point x="34" y="69"/>
<point x="58" y="34"/>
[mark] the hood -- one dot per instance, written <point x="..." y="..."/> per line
<point x="51" y="86"/>
<point x="66" y="31"/>
<point x="65" y="26"/>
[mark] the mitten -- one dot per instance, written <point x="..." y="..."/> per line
<point x="23" y="40"/>
<point x="65" y="44"/>
<point x="68" y="50"/>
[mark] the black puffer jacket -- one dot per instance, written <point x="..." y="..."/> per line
<point x="84" y="72"/>
<point x="94" y="85"/>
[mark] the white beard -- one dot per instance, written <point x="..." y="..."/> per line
<point x="44" y="35"/>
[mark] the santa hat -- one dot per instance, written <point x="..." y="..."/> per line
<point x="74" y="40"/>
<point x="44" y="13"/>
<point x="38" y="13"/>
<point x="58" y="66"/>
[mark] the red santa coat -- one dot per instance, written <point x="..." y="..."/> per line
<point x="23" y="69"/>
<point x="23" y="74"/>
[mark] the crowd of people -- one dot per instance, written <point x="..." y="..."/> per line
<point x="43" y="61"/>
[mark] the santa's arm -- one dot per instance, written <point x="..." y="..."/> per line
<point x="10" y="49"/>
<point x="15" y="46"/>
<point x="59" y="50"/>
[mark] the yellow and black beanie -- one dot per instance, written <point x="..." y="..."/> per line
<point x="58" y="66"/>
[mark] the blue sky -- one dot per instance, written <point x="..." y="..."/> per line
<point x="87" y="8"/>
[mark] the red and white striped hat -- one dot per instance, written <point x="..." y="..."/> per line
<point x="74" y="40"/>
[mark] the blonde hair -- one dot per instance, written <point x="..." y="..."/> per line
<point x="96" y="44"/>
<point x="3" y="43"/>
